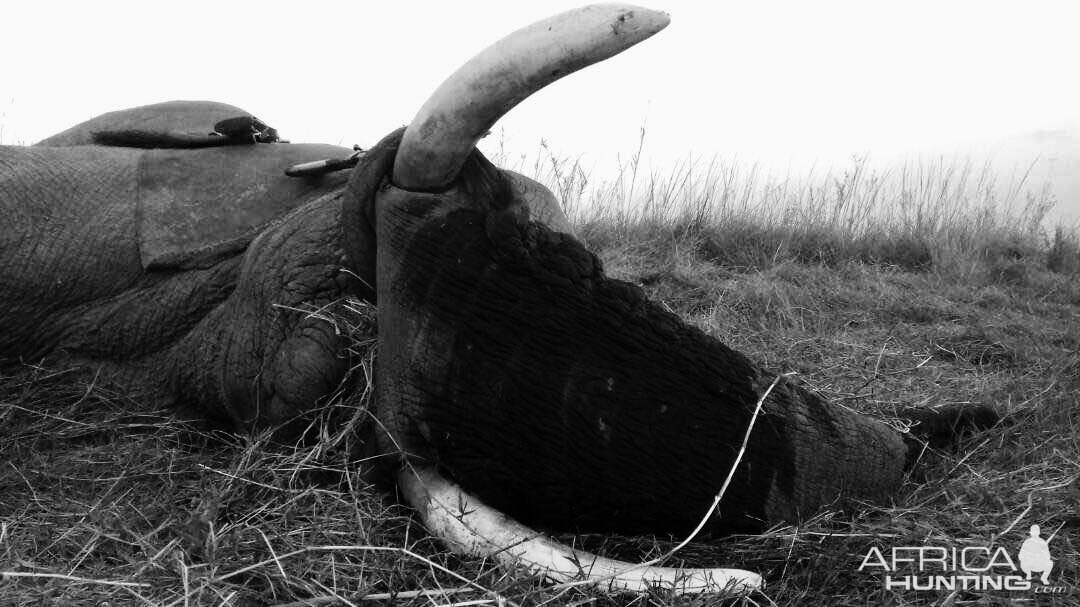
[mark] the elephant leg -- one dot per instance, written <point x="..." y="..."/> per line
<point x="280" y="344"/>
<point x="309" y="365"/>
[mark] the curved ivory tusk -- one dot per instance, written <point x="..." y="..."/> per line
<point x="469" y="526"/>
<point x="465" y="106"/>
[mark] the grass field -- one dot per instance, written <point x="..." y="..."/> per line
<point x="926" y="285"/>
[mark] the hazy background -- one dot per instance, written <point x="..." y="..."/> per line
<point x="783" y="85"/>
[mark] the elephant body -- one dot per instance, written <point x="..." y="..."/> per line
<point x="189" y="276"/>
<point x="105" y="272"/>
<point x="156" y="266"/>
<point x="203" y="277"/>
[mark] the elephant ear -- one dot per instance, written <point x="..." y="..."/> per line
<point x="172" y="124"/>
<point x="198" y="206"/>
<point x="543" y="205"/>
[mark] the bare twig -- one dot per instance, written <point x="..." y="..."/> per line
<point x="70" y="578"/>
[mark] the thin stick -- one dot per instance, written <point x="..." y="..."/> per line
<point x="403" y="551"/>
<point x="727" y="481"/>
<point x="1031" y="494"/>
<point x="1054" y="534"/>
<point x="379" y="596"/>
<point x="70" y="578"/>
<point x="277" y="561"/>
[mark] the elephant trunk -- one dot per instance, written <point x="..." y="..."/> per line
<point x="510" y="361"/>
<point x="570" y="399"/>
<point x="468" y="103"/>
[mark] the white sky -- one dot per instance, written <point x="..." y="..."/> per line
<point x="777" y="82"/>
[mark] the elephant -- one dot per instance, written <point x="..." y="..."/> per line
<point x="512" y="374"/>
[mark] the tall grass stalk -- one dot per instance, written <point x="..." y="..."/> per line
<point x="947" y="212"/>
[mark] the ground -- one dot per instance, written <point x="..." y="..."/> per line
<point x="102" y="500"/>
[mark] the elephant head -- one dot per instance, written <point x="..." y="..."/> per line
<point x="508" y="359"/>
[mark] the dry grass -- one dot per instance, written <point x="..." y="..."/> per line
<point x="107" y="502"/>
<point x="946" y="300"/>
<point x="951" y="214"/>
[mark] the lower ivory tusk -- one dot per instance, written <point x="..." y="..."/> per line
<point x="468" y="526"/>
